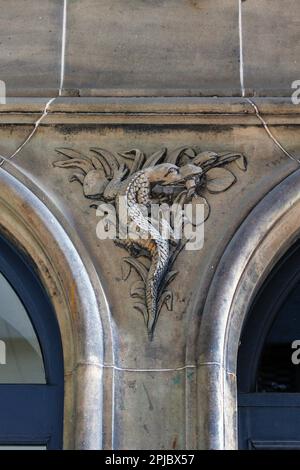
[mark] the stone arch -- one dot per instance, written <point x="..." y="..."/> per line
<point x="27" y="222"/>
<point x="262" y="239"/>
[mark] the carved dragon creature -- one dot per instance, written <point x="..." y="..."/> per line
<point x="180" y="176"/>
<point x="138" y="192"/>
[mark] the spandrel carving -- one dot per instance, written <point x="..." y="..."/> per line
<point x="171" y="178"/>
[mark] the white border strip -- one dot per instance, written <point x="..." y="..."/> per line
<point x="63" y="48"/>
<point x="241" y="49"/>
<point x="36" y="125"/>
<point x="128" y="369"/>
<point x="266" y="127"/>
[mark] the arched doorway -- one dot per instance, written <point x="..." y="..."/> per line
<point x="31" y="360"/>
<point x="264" y="237"/>
<point x="268" y="373"/>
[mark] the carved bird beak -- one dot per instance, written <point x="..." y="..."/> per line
<point x="190" y="171"/>
<point x="186" y="172"/>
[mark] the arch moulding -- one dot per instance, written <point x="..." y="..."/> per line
<point x="33" y="228"/>
<point x="262" y="239"/>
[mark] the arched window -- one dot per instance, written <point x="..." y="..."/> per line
<point x="31" y="359"/>
<point x="268" y="369"/>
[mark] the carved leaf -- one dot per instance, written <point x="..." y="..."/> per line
<point x="70" y="153"/>
<point x="138" y="161"/>
<point x="225" y="159"/>
<point x="129" y="154"/>
<point x="219" y="180"/>
<point x="97" y="164"/>
<point x="179" y="200"/>
<point x="186" y="156"/>
<point x="228" y="157"/>
<point x="137" y="290"/>
<point x="143" y="310"/>
<point x="170" y="277"/>
<point x="126" y="270"/>
<point x="180" y="246"/>
<point x="204" y="201"/>
<point x="242" y="163"/>
<point x="77" y="177"/>
<point x="138" y="158"/>
<point x="167" y="300"/>
<point x="195" y="201"/>
<point x="205" y="158"/>
<point x="189" y="152"/>
<point x="103" y="163"/>
<point x="82" y="164"/>
<point x="155" y="158"/>
<point x="174" y="155"/>
<point x="108" y="160"/>
<point x="139" y="267"/>
<point x="75" y="155"/>
<point x="119" y="174"/>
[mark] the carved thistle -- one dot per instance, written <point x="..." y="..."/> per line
<point x="177" y="178"/>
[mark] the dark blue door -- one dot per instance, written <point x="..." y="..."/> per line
<point x="268" y="376"/>
<point x="31" y="358"/>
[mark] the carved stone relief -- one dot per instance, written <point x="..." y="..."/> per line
<point x="174" y="178"/>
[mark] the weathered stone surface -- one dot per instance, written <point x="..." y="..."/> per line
<point x="153" y="404"/>
<point x="175" y="345"/>
<point x="163" y="48"/>
<point x="135" y="73"/>
<point x="169" y="47"/>
<point x="15" y="138"/>
<point x="134" y="349"/>
<point x="30" y="53"/>
<point x="271" y="46"/>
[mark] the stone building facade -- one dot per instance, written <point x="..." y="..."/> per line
<point x="193" y="82"/>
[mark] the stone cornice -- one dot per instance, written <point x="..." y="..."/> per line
<point x="185" y="111"/>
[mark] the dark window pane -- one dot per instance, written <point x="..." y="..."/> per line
<point x="20" y="354"/>
<point x="276" y="371"/>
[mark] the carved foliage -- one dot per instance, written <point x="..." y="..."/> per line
<point x="104" y="174"/>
